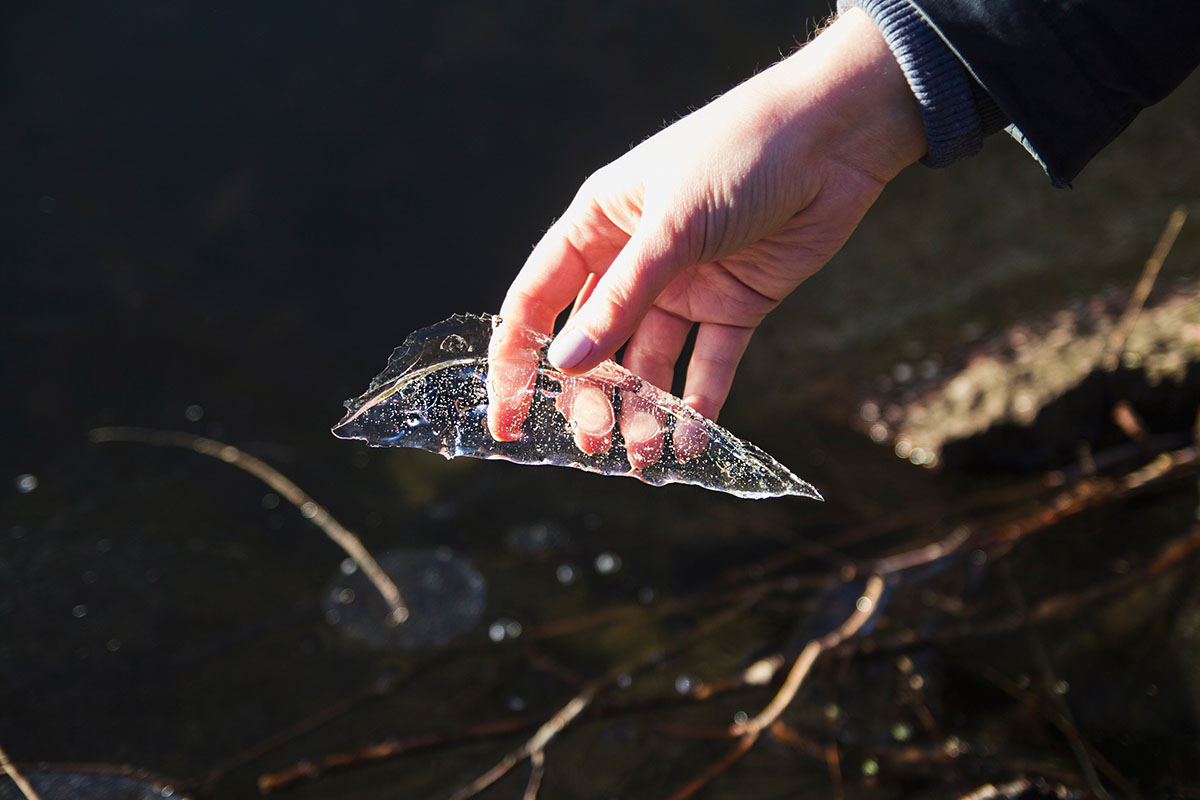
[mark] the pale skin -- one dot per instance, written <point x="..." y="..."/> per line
<point x="710" y="223"/>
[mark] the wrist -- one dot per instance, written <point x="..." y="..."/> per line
<point x="850" y="101"/>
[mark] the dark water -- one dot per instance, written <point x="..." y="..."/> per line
<point x="221" y="221"/>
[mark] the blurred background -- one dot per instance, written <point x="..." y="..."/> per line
<point x="222" y="220"/>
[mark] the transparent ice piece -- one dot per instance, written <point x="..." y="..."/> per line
<point x="433" y="396"/>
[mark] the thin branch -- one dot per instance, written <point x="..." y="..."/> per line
<point x="308" y="508"/>
<point x="1137" y="300"/>
<point x="537" y="768"/>
<point x="13" y="773"/>
<point x="864" y="609"/>
<point x="380" y="687"/>
<point x="535" y="744"/>
<point x="739" y="749"/>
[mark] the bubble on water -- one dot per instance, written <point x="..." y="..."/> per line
<point x="444" y="593"/>
<point x="504" y="628"/>
<point x="26" y="483"/>
<point x="348" y="567"/>
<point x="686" y="684"/>
<point x="79" y="611"/>
<point x="194" y="413"/>
<point x="565" y="574"/>
<point x="270" y="501"/>
<point x="515" y="703"/>
<point x="607" y="563"/>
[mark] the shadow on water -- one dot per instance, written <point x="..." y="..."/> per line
<point x="224" y="221"/>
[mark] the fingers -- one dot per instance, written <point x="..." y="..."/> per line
<point x="512" y="370"/>
<point x="589" y="286"/>
<point x="688" y="439"/>
<point x="552" y="275"/>
<point x="642" y="425"/>
<point x="589" y="414"/>
<point x="655" y="347"/>
<point x="715" y="358"/>
<point x="620" y="301"/>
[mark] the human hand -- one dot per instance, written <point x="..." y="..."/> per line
<point x="710" y="222"/>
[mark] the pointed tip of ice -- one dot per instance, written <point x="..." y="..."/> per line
<point x="801" y="488"/>
<point x="348" y="428"/>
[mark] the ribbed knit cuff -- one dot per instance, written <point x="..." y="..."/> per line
<point x="945" y="91"/>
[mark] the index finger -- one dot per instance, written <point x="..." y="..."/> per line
<point x="552" y="275"/>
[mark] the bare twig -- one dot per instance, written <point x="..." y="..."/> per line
<point x="583" y="699"/>
<point x="537" y="768"/>
<point x="378" y="688"/>
<point x="739" y="749"/>
<point x="535" y="744"/>
<point x="11" y="771"/>
<point x="1137" y="300"/>
<point x="308" y="508"/>
<point x="833" y="763"/>
<point x="863" y="611"/>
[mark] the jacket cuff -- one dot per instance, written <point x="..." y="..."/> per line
<point x="957" y="112"/>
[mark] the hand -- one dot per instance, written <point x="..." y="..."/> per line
<point x="712" y="222"/>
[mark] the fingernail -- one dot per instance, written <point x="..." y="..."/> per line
<point x="569" y="349"/>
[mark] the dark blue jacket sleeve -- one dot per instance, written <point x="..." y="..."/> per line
<point x="1070" y="74"/>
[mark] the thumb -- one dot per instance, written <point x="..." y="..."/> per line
<point x="649" y="261"/>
